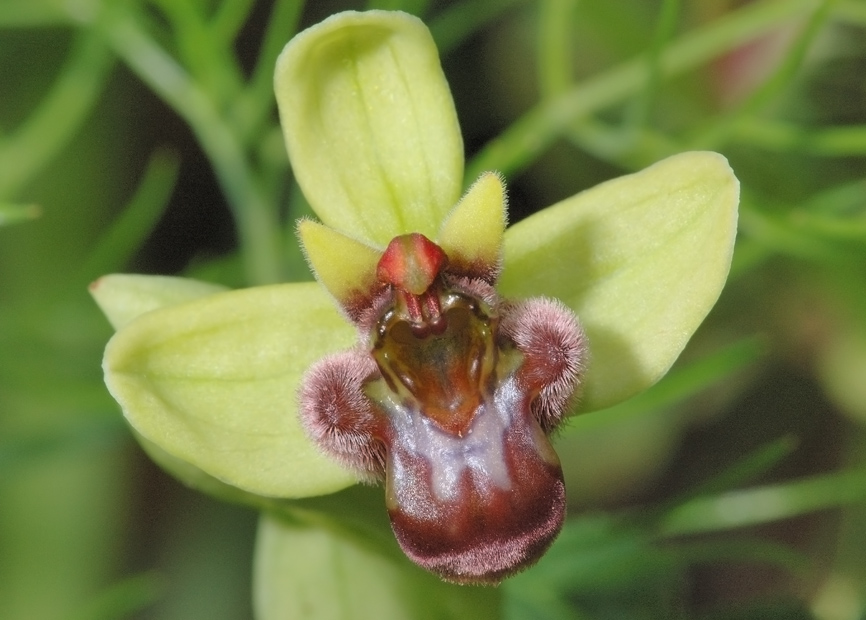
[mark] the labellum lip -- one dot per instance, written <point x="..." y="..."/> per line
<point x="477" y="509"/>
<point x="482" y="538"/>
<point x="451" y="403"/>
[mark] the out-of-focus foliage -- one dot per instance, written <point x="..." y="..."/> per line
<point x="142" y="136"/>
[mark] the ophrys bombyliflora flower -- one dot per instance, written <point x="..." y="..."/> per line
<point x="210" y="377"/>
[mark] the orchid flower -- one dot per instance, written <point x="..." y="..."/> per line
<point x="439" y="350"/>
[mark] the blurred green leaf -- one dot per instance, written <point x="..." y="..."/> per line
<point x="125" y="598"/>
<point x="14" y="213"/>
<point x="127" y="233"/>
<point x="18" y="451"/>
<point x="771" y="87"/>
<point x="765" y="504"/>
<point x="304" y="570"/>
<point x="682" y="382"/>
<point x="460" y="20"/>
<point x="528" y="137"/>
<point x="29" y="14"/>
<point x="750" y="466"/>
<point x="599" y="567"/>
<point x="59" y="114"/>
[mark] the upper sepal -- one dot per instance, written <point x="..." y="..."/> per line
<point x="370" y="126"/>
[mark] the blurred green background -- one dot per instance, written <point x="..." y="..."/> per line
<point x="141" y="135"/>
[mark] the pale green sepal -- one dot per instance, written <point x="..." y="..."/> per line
<point x="195" y="478"/>
<point x="370" y="125"/>
<point x="319" y="572"/>
<point x="123" y="297"/>
<point x="344" y="266"/>
<point x="214" y="383"/>
<point x="473" y="230"/>
<point x="641" y="259"/>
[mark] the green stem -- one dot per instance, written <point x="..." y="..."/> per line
<point x="457" y="23"/>
<point x="256" y="217"/>
<point x="555" y="18"/>
<point x="208" y="59"/>
<point x="12" y="213"/>
<point x="853" y="11"/>
<point x="664" y="30"/>
<point x="539" y="128"/>
<point x="57" y="117"/>
<point x="128" y="231"/>
<point x="721" y="128"/>
<point x="783" y="137"/>
<point x="253" y="109"/>
<point x="229" y="18"/>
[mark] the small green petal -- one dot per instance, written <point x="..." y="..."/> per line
<point x="347" y="268"/>
<point x="195" y="478"/>
<point x="123" y="297"/>
<point x="641" y="260"/>
<point x="370" y="125"/>
<point x="472" y="232"/>
<point x="214" y="383"/>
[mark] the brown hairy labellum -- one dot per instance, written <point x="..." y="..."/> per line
<point x="451" y="398"/>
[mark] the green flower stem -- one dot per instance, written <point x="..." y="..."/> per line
<point x="254" y="107"/>
<point x="58" y="116"/>
<point x="456" y="23"/>
<point x="788" y="235"/>
<point x="665" y="27"/>
<point x="537" y="129"/>
<point x="677" y="386"/>
<point x="765" y="504"/>
<point x="210" y="61"/>
<point x="229" y="18"/>
<point x="634" y="150"/>
<point x="606" y="141"/>
<point x="11" y="213"/>
<point x="255" y="214"/>
<point x="744" y="470"/>
<point x="415" y="7"/>
<point x="853" y="11"/>
<point x="785" y="137"/>
<point x="721" y="128"/>
<point x="134" y="224"/>
<point x="635" y="144"/>
<point x="27" y="14"/>
<point x="554" y="46"/>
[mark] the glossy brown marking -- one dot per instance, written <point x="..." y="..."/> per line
<point x="444" y="373"/>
